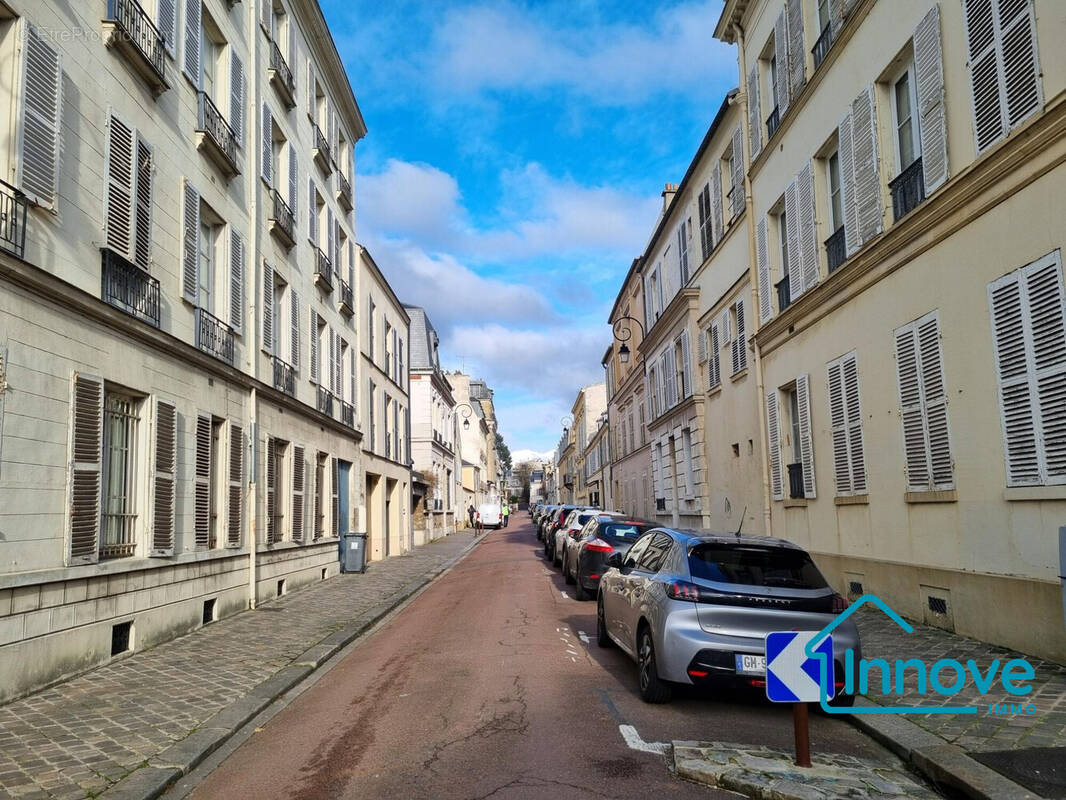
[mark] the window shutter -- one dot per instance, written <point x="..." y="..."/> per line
<point x="298" y="474"/>
<point x="686" y="364"/>
<point x="781" y="57"/>
<point x="797" y="53"/>
<point x="682" y="252"/>
<point x="774" y="442"/>
<point x="923" y="405"/>
<point x="118" y="220"/>
<point x="915" y="442"/>
<point x="272" y="532"/>
<point x="268" y="146"/>
<point x="332" y="359"/>
<point x="647" y="303"/>
<point x="935" y="402"/>
<point x="1047" y="323"/>
<point x="354" y="378"/>
<point x="313" y="354"/>
<point x="235" y="471"/>
<point x="740" y="343"/>
<point x="1017" y="35"/>
<point x="266" y="10"/>
<point x="795" y="257"/>
<point x="846" y="149"/>
<point x="294" y="182"/>
<point x="311" y="98"/>
<point x="41" y="111"/>
<point x="738" y="173"/>
<point x="706" y="226"/>
<point x="312" y="212"/>
<point x="850" y="374"/>
<point x="202" y="483"/>
<point x="701" y="347"/>
<point x="803" y="401"/>
<point x="190" y="258"/>
<point x="806" y="265"/>
<point x="331" y="239"/>
<point x="839" y="426"/>
<point x="727" y="328"/>
<point x="192" y="41"/>
<point x="237" y="93"/>
<point x="716" y="200"/>
<point x="87" y="430"/>
<point x="142" y="217"/>
<point x="838" y="12"/>
<point x="762" y="259"/>
<point x="714" y="366"/>
<point x="294" y="328"/>
<point x="268" y="309"/>
<point x="167" y="20"/>
<point x="866" y="165"/>
<point x="929" y="69"/>
<point x="164" y="463"/>
<point x="754" y="114"/>
<point x="236" y="281"/>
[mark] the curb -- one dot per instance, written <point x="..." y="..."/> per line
<point x="165" y="768"/>
<point x="940" y="762"/>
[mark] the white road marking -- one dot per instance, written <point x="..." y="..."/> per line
<point x="632" y="738"/>
<point x="564" y="594"/>
<point x="584" y="637"/>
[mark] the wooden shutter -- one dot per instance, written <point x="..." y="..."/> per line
<point x="754" y="114"/>
<point x="701" y="347"/>
<point x="37" y="167"/>
<point x="923" y="405"/>
<point x="716" y="200"/>
<point x="294" y="182"/>
<point x="794" y="265"/>
<point x="354" y="378"/>
<point x="164" y="468"/>
<point x="272" y="532"/>
<point x="237" y="93"/>
<point x="311" y="92"/>
<point x="313" y="352"/>
<point x="192" y="41"/>
<point x="87" y="431"/>
<point x="268" y="146"/>
<point x="202" y="483"/>
<point x="686" y="363"/>
<point x="806" y="264"/>
<point x="797" y="53"/>
<point x="236" y="281"/>
<point x="739" y="344"/>
<point x="294" y="328"/>
<point x="846" y="150"/>
<point x="915" y="442"/>
<point x="706" y="226"/>
<point x="738" y="173"/>
<point x="773" y="435"/>
<point x="762" y="259"/>
<point x="298" y="475"/>
<point x="653" y="392"/>
<point x="866" y="165"/>
<point x="839" y="429"/>
<point x="312" y="212"/>
<point x="190" y="257"/>
<point x="166" y="21"/>
<point x="268" y="309"/>
<point x="781" y="57"/>
<point x="714" y="366"/>
<point x="935" y="402"/>
<point x="266" y="12"/>
<point x="803" y="402"/>
<point x="142" y="214"/>
<point x="235" y="473"/>
<point x="845" y="413"/>
<point x="929" y="69"/>
<point x="331" y="240"/>
<point x="118" y="219"/>
<point x="668" y="369"/>
<point x="332" y="359"/>
<point x="727" y="328"/>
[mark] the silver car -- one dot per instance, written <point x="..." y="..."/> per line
<point x="694" y="607"/>
<point x="574" y="522"/>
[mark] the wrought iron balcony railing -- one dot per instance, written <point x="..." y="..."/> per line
<point x="908" y="189"/>
<point x="772" y="122"/>
<point x="321" y="148"/>
<point x="213" y="336"/>
<point x="735" y="199"/>
<point x="130" y="30"/>
<point x="344" y="191"/>
<point x="795" y="481"/>
<point x="128" y="287"/>
<point x="784" y="294"/>
<point x="13" y="206"/>
<point x="821" y="47"/>
<point x="216" y="136"/>
<point x="282" y="223"/>
<point x="284" y="377"/>
<point x="325" y="401"/>
<point x="347" y="414"/>
<point x="323" y="270"/>
<point x="281" y="76"/>
<point x="347" y="308"/>
<point x="836" y="250"/>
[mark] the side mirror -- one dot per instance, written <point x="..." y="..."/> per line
<point x="615" y="560"/>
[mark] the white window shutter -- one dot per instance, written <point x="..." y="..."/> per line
<point x="294" y="182"/>
<point x="797" y="53"/>
<point x="86" y="439"/>
<point x="740" y="342"/>
<point x="754" y="114"/>
<point x="846" y="149"/>
<point x="235" y="487"/>
<point x="192" y="41"/>
<point x="142" y="209"/>
<point x="332" y="380"/>
<point x="299" y="471"/>
<point x="118" y="219"/>
<point x="41" y="98"/>
<point x="202" y="483"/>
<point x="167" y="21"/>
<point x="268" y="146"/>
<point x="313" y="362"/>
<point x="1047" y="321"/>
<point x="714" y="365"/>
<point x="807" y="261"/>
<point x="237" y="93"/>
<point x="935" y="402"/>
<point x="331" y="239"/>
<point x="915" y="441"/>
<point x="236" y="281"/>
<point x="932" y="127"/>
<point x="686" y="363"/>
<point x="190" y="255"/>
<point x="839" y="430"/>
<point x="727" y="327"/>
<point x="738" y="173"/>
<point x="312" y="212"/>
<point x="268" y="309"/>
<point x="856" y="448"/>
<point x="666" y="369"/>
<point x="164" y="468"/>
<point x="294" y="328"/>
<point x="795" y="257"/>
<point x="266" y="11"/>
<point x="762" y="259"/>
<point x="781" y="57"/>
<point x="311" y="94"/>
<point x="701" y="347"/>
<point x="716" y="201"/>
<point x="773" y="435"/>
<point x="353" y="377"/>
<point x="923" y="405"/>
<point x="271" y="472"/>
<point x="1021" y="68"/>
<point x="866" y="165"/>
<point x="803" y="401"/>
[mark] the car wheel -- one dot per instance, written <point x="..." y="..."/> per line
<point x="557" y="559"/>
<point x="567" y="575"/>
<point x="843" y="701"/>
<point x="652" y="688"/>
<point x="580" y="592"/>
<point x="602" y="639"/>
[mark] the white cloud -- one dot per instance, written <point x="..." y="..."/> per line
<point x="519" y="456"/>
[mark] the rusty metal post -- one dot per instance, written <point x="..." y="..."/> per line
<point x="803" y="734"/>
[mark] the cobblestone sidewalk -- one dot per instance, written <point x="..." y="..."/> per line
<point x="80" y="737"/>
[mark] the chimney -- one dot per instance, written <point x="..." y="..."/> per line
<point x="668" y="196"/>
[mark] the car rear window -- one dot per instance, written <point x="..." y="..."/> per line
<point x="583" y="518"/>
<point x="755" y="566"/>
<point x="623" y="532"/>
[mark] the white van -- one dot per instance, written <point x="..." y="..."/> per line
<point x="490" y="515"/>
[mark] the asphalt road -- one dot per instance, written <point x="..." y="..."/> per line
<point x="485" y="686"/>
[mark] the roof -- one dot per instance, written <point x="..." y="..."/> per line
<point x="370" y="262"/>
<point x="633" y="268"/>
<point x="424" y="339"/>
<point x="732" y="14"/>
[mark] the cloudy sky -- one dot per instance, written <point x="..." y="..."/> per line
<point x="513" y="170"/>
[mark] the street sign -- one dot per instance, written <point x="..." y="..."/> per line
<point x="791" y="677"/>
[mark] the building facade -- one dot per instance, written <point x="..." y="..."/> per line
<point x="589" y="404"/>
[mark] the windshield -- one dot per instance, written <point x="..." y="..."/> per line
<point x="623" y="532"/>
<point x="755" y="566"/>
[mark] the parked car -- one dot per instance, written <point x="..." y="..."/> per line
<point x="585" y="557"/>
<point x="542" y="518"/>
<point x="572" y="525"/>
<point x="490" y="515"/>
<point x="694" y="607"/>
<point x="554" y="520"/>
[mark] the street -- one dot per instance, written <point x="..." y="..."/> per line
<point x="490" y="684"/>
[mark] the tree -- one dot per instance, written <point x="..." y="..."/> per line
<point x="503" y="452"/>
<point x="522" y="472"/>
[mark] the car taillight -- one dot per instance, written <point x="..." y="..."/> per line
<point x="683" y="590"/>
<point x="839" y="604"/>
<point x="598" y="546"/>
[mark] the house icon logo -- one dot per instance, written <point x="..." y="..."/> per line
<point x="945" y="677"/>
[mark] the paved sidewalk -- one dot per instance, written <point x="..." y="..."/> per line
<point x="79" y="738"/>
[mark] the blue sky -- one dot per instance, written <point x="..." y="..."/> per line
<point x="513" y="168"/>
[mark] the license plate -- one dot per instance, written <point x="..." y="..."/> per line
<point x="750" y="664"/>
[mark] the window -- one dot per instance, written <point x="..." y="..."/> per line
<point x="209" y="491"/>
<point x="714" y="357"/>
<point x="706" y="226"/>
<point x="643" y="427"/>
<point x="681" y="361"/>
<point x="212" y="284"/>
<point x="1028" y="309"/>
<point x="823" y="15"/>
<point x="321" y="498"/>
<point x="654" y="554"/>
<point x="845" y="419"/>
<point x="798" y="423"/>
<point x="128" y="214"/>
<point x="212" y="46"/>
<point x="905" y="118"/>
<point x="739" y="344"/>
<point x="794" y="416"/>
<point x="784" y="287"/>
<point x="923" y="405"/>
<point x="370" y="330"/>
<point x="836" y="213"/>
<point x="276" y="479"/>
<point x="118" y="523"/>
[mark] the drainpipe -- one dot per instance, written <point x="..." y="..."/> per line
<point x="253" y="132"/>
<point x="753" y="279"/>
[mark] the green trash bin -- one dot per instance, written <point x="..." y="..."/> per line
<point x="353" y="552"/>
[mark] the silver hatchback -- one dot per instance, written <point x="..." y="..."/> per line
<point x="694" y="607"/>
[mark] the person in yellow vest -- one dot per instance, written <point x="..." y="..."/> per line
<point x="505" y="510"/>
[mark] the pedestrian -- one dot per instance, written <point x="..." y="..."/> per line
<point x="470" y="513"/>
<point x="505" y="510"/>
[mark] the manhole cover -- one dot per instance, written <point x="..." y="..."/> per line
<point x="1039" y="769"/>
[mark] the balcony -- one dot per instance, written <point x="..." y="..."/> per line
<point x="281" y="77"/>
<point x="836" y="249"/>
<point x="129" y="30"/>
<point x="284" y="377"/>
<point x="323" y="271"/>
<point x="13" y="206"/>
<point x="215" y="137"/>
<point x="281" y="221"/>
<point x="348" y="414"/>
<point x="321" y="149"/>
<point x="129" y="288"/>
<point x="347" y="308"/>
<point x="344" y="191"/>
<point x="821" y="47"/>
<point x="784" y="294"/>
<point x="213" y="336"/>
<point x="325" y="401"/>
<point x="908" y="190"/>
<point x="772" y="122"/>
<point x="795" y="481"/>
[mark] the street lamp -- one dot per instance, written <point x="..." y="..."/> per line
<point x="623" y="332"/>
<point x="465" y="414"/>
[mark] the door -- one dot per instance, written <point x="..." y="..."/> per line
<point x="343" y="471"/>
<point x="616" y="597"/>
<point x="649" y="562"/>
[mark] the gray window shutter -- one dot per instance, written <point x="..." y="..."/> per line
<point x="929" y="69"/>
<point x="192" y="41"/>
<point x="807" y="263"/>
<point x="294" y="182"/>
<point x="781" y="56"/>
<point x="37" y="167"/>
<point x="668" y="369"/>
<point x="87" y="430"/>
<point x="803" y="401"/>
<point x="202" y="483"/>
<point x="236" y="281"/>
<point x="762" y="259"/>
<point x="313" y="352"/>
<point x="266" y="11"/>
<point x="686" y="364"/>
<point x="268" y="146"/>
<point x="738" y="173"/>
<point x="167" y="20"/>
<point x="311" y="109"/>
<point x="773" y="437"/>
<point x="714" y="360"/>
<point x="716" y="200"/>
<point x="701" y="347"/>
<point x="739" y="344"/>
<point x="118" y="220"/>
<point x="795" y="272"/>
<point x="268" y="309"/>
<point x="866" y="165"/>
<point x="797" y="52"/>
<point x="846" y="149"/>
<point x="298" y="474"/>
<point x="235" y="487"/>
<point x="294" y="328"/>
<point x="142" y="213"/>
<point x="237" y="93"/>
<point x="164" y="469"/>
<point x="190" y="256"/>
<point x="754" y="114"/>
